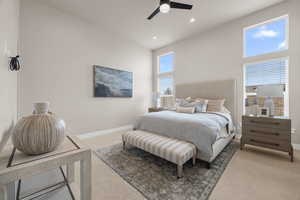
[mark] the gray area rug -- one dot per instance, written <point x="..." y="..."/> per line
<point x="156" y="178"/>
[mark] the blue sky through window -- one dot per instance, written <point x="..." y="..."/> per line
<point x="166" y="63"/>
<point x="266" y="38"/>
<point x="164" y="84"/>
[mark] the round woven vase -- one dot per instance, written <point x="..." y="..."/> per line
<point x="39" y="133"/>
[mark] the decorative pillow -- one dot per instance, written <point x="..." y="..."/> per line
<point x="214" y="105"/>
<point x="188" y="110"/>
<point x="187" y="104"/>
<point x="184" y="102"/>
<point x="189" y="99"/>
<point x="201" y="106"/>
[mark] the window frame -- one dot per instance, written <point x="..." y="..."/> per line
<point x="287" y="34"/>
<point x="165" y="74"/>
<point x="287" y="87"/>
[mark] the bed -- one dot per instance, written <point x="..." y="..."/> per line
<point x="209" y="132"/>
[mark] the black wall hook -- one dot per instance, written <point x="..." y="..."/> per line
<point x="14" y="64"/>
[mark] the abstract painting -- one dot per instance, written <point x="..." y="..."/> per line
<point x="110" y="82"/>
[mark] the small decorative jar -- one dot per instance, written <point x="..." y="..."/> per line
<point x="39" y="133"/>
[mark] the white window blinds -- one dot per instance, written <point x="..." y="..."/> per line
<point x="267" y="72"/>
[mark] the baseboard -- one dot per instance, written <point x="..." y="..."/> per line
<point x="130" y="127"/>
<point x="105" y="132"/>
<point x="296" y="146"/>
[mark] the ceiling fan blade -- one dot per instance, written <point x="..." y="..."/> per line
<point x="180" y="5"/>
<point x="153" y="14"/>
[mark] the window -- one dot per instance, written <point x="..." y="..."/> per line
<point x="266" y="81"/>
<point x="165" y="75"/>
<point x="268" y="37"/>
<point x="266" y="85"/>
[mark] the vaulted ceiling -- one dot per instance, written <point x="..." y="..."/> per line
<point x="128" y="17"/>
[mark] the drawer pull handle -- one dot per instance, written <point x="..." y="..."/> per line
<point x="259" y="122"/>
<point x="265" y="133"/>
<point x="267" y="143"/>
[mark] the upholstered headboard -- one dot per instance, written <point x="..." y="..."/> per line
<point x="211" y="90"/>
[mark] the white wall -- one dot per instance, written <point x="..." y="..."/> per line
<point x="218" y="54"/>
<point x="9" y="24"/>
<point x="59" y="51"/>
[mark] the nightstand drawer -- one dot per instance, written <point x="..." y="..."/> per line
<point x="267" y="143"/>
<point x="268" y="123"/>
<point x="273" y="134"/>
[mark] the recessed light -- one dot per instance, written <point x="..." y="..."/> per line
<point x="192" y="20"/>
<point x="154" y="37"/>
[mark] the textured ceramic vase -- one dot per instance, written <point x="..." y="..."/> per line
<point x="39" y="133"/>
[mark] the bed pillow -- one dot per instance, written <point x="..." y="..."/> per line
<point x="214" y="105"/>
<point x="225" y="110"/>
<point x="188" y="110"/>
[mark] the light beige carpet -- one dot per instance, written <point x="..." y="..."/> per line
<point x="252" y="174"/>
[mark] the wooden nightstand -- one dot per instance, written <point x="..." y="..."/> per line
<point x="267" y="132"/>
<point x="154" y="110"/>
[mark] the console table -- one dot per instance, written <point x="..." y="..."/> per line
<point x="14" y="166"/>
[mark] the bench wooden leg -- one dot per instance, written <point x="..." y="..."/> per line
<point x="207" y="165"/>
<point x="194" y="159"/>
<point x="179" y="171"/>
<point x="124" y="145"/>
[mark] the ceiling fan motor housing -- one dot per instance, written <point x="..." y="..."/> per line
<point x="166" y="5"/>
<point x="164" y="2"/>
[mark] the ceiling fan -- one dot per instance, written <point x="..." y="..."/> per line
<point x="166" y="5"/>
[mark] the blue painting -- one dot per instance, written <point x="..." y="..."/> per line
<point x="110" y="82"/>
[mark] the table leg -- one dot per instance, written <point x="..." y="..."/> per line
<point x="85" y="177"/>
<point x="71" y="172"/>
<point x="2" y="193"/>
<point x="8" y="192"/>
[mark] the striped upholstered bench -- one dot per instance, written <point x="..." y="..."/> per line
<point x="175" y="151"/>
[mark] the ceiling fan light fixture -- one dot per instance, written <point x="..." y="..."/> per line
<point x="164" y="8"/>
